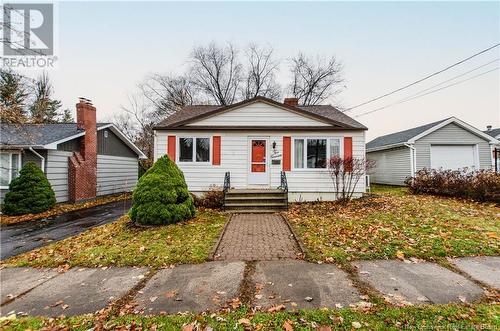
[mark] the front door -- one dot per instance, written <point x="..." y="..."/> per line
<point x="259" y="172"/>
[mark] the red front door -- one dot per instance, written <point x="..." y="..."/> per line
<point x="258" y="156"/>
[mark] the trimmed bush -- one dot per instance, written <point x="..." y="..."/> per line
<point x="29" y="193"/>
<point x="481" y="185"/>
<point x="162" y="196"/>
<point x="213" y="198"/>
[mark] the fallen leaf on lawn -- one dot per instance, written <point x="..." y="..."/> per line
<point x="235" y="303"/>
<point x="493" y="235"/>
<point x="294" y="304"/>
<point x="288" y="325"/>
<point x="188" y="327"/>
<point x="339" y="306"/>
<point x="244" y="321"/>
<point x="64" y="307"/>
<point x="323" y="328"/>
<point x="400" y="255"/>
<point x="356" y="325"/>
<point x="462" y="298"/>
<point x="258" y="296"/>
<point x="276" y="308"/>
<point x="141" y="249"/>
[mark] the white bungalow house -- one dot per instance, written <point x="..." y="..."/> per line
<point x="258" y="139"/>
<point x="447" y="144"/>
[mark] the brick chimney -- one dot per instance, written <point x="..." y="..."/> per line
<point x="82" y="167"/>
<point x="291" y="102"/>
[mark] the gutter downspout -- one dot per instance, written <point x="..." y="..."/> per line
<point x="41" y="158"/>
<point x="413" y="164"/>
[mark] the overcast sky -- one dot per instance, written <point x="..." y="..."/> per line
<point x="105" y="49"/>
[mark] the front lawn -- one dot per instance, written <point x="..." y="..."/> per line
<point x="392" y="223"/>
<point x="122" y="244"/>
<point x="480" y="316"/>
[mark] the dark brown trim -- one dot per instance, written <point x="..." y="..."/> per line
<point x="261" y="99"/>
<point x="257" y="128"/>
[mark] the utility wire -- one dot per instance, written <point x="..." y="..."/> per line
<point x="422" y="79"/>
<point x="419" y="95"/>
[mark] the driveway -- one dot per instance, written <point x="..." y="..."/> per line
<point x="26" y="236"/>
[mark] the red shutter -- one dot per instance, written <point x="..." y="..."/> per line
<point x="171" y="147"/>
<point x="348" y="152"/>
<point x="287" y="153"/>
<point x="216" y="150"/>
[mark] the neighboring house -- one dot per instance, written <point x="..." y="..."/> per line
<point x="255" y="140"/>
<point x="495" y="133"/>
<point x="448" y="144"/>
<point x="81" y="160"/>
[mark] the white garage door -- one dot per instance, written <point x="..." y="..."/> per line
<point x="453" y="156"/>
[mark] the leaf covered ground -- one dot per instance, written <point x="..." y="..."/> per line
<point x="123" y="244"/>
<point x="394" y="224"/>
<point x="64" y="208"/>
<point x="441" y="317"/>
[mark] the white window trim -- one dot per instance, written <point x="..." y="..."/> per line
<point x="10" y="166"/>
<point x="328" y="156"/>
<point x="193" y="160"/>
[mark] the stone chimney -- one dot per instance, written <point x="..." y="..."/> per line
<point x="291" y="102"/>
<point x="82" y="166"/>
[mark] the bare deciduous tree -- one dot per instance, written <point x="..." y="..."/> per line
<point x="168" y="93"/>
<point x="137" y="122"/>
<point x="315" y="80"/>
<point x="216" y="71"/>
<point x="260" y="75"/>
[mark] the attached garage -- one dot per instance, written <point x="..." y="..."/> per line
<point x="454" y="157"/>
<point x="446" y="144"/>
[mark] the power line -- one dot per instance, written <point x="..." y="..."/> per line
<point x="419" y="95"/>
<point x="422" y="79"/>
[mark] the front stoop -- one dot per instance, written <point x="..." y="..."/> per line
<point x="255" y="200"/>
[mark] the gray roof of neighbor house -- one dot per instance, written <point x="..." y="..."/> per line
<point x="401" y="136"/>
<point x="37" y="134"/>
<point x="325" y="113"/>
<point x="493" y="132"/>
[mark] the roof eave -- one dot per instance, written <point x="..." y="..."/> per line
<point x="381" y="148"/>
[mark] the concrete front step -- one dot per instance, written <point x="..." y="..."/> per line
<point x="255" y="200"/>
<point x="255" y="211"/>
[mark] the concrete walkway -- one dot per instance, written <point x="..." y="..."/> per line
<point x="23" y="237"/>
<point x="257" y="237"/>
<point x="216" y="285"/>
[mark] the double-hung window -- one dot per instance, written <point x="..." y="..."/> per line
<point x="10" y="164"/>
<point x="194" y="149"/>
<point x="314" y="153"/>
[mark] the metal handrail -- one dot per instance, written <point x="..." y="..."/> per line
<point x="284" y="186"/>
<point x="227" y="182"/>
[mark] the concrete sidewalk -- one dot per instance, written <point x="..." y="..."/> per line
<point x="215" y="285"/>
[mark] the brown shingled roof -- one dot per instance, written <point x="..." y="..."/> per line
<point x="324" y="113"/>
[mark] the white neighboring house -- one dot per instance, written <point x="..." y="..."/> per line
<point x="447" y="144"/>
<point x="255" y="140"/>
<point x="495" y="133"/>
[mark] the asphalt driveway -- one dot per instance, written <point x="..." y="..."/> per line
<point x="23" y="237"/>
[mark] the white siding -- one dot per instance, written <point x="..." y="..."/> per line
<point x="392" y="166"/>
<point x="259" y="114"/>
<point x="57" y="173"/>
<point x="116" y="174"/>
<point x="235" y="158"/>
<point x="451" y="134"/>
